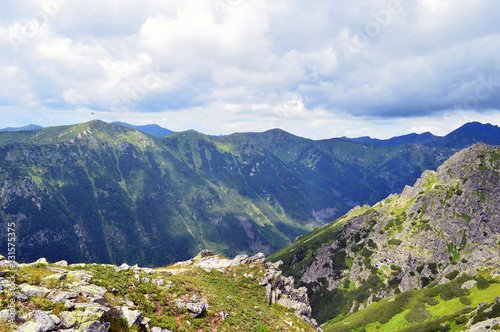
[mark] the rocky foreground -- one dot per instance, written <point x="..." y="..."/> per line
<point x="208" y="293"/>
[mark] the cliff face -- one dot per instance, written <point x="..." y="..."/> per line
<point x="447" y="224"/>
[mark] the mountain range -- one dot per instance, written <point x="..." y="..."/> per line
<point x="469" y="133"/>
<point x="125" y="196"/>
<point x="420" y="258"/>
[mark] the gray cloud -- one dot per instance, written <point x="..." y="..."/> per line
<point x="256" y="63"/>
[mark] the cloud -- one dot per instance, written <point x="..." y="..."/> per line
<point x="251" y="65"/>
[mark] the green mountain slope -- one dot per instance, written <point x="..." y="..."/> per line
<point x="107" y="193"/>
<point x="447" y="225"/>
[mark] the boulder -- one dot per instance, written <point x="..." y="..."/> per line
<point x="73" y="319"/>
<point x="133" y="317"/>
<point x="196" y="309"/>
<point x="7" y="314"/>
<point x="30" y="291"/>
<point x="469" y="284"/>
<point x="61" y="263"/>
<point x="20" y="297"/>
<point x="9" y="264"/>
<point x="122" y="267"/>
<point x="94" y="326"/>
<point x="30" y="327"/>
<point x="205" y="253"/>
<point x="257" y="259"/>
<point x="42" y="261"/>
<point x="43" y="319"/>
<point x="239" y="260"/>
<point x="159" y="329"/>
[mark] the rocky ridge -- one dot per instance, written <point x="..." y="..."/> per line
<point x="62" y="297"/>
<point x="446" y="225"/>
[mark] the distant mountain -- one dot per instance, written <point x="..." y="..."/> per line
<point x="28" y="127"/>
<point x="437" y="244"/>
<point x="124" y="195"/>
<point x="152" y="129"/>
<point x="468" y="134"/>
<point x="422" y="139"/>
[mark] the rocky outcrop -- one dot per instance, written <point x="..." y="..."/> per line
<point x="280" y="290"/>
<point x="83" y="304"/>
<point x="448" y="222"/>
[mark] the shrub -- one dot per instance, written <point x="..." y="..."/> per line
<point x="452" y="290"/>
<point x="418" y="314"/>
<point x="452" y="275"/>
<point x="482" y="283"/>
<point x="432" y="301"/>
<point x="395" y="242"/>
<point x="461" y="320"/>
<point x="465" y="300"/>
<point x="395" y="268"/>
<point x="433" y="268"/>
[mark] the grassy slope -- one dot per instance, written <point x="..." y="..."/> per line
<point x="391" y="315"/>
<point x="227" y="290"/>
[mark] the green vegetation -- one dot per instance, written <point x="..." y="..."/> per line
<point x="141" y="199"/>
<point x="228" y="290"/>
<point x="420" y="310"/>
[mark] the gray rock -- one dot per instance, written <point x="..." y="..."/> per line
<point x="159" y="329"/>
<point x="122" y="267"/>
<point x="84" y="276"/>
<point x="56" y="277"/>
<point x="196" y="309"/>
<point x="94" y="326"/>
<point x="55" y="319"/>
<point x="43" y="319"/>
<point x="31" y="327"/>
<point x="42" y="261"/>
<point x="9" y="264"/>
<point x="20" y="297"/>
<point x="180" y="304"/>
<point x="239" y="260"/>
<point x="30" y="291"/>
<point x="8" y="314"/>
<point x="205" y="253"/>
<point x="61" y="263"/>
<point x="60" y="296"/>
<point x="469" y="284"/>
<point x="257" y="259"/>
<point x="133" y="317"/>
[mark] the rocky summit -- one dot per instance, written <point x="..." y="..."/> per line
<point x="426" y="259"/>
<point x="206" y="293"/>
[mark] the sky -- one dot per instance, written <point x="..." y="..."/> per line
<point x="318" y="69"/>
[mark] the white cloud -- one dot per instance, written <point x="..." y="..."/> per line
<point x="221" y="65"/>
